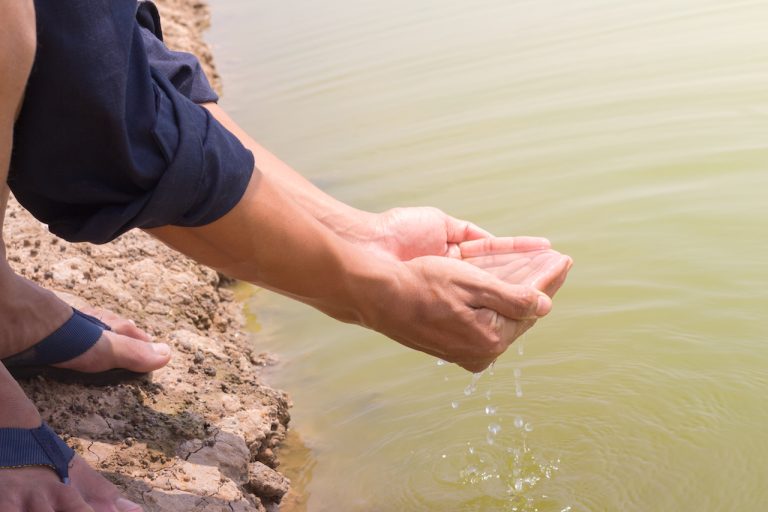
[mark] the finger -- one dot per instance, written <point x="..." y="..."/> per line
<point x="501" y="245"/>
<point x="513" y="301"/>
<point x="513" y="329"/>
<point x="550" y="278"/>
<point x="453" y="251"/>
<point x="459" y="230"/>
<point x="509" y="330"/>
<point x="516" y="263"/>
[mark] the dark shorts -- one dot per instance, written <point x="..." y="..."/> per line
<point x="111" y="136"/>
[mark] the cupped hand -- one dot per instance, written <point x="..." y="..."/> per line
<point x="456" y="311"/>
<point x="545" y="270"/>
<point x="512" y="260"/>
<point x="407" y="233"/>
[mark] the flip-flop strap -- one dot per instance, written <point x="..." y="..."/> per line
<point x="21" y="447"/>
<point x="75" y="337"/>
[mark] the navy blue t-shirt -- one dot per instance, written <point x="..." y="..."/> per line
<point x="111" y="136"/>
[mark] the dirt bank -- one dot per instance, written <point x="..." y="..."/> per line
<point x="201" y="434"/>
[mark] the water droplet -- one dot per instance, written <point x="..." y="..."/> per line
<point x="528" y="427"/>
<point x="490" y="410"/>
<point x="517" y="372"/>
<point x="520" y="349"/>
<point x="443" y="455"/>
<point x="471" y="450"/>
<point x="519" y="422"/>
<point x="472" y="386"/>
<point x="518" y="390"/>
<point x="440" y="362"/>
<point x="519" y="484"/>
<point x="494" y="428"/>
<point x="489" y="439"/>
<point x="454" y="405"/>
<point x="488" y="395"/>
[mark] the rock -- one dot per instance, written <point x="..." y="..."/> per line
<point x="93" y="425"/>
<point x="267" y="483"/>
<point x="228" y="453"/>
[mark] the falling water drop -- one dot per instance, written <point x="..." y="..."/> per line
<point x="472" y="386"/>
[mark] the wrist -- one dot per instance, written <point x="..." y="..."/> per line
<point x="351" y="224"/>
<point x="375" y="288"/>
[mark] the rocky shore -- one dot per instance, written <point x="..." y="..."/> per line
<point x="200" y="434"/>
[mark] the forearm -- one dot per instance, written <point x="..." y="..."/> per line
<point x="271" y="241"/>
<point x="334" y="214"/>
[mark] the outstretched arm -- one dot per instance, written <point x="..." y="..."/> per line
<point x="438" y="305"/>
<point x="400" y="233"/>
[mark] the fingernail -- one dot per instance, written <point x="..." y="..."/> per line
<point x="124" y="505"/>
<point x="543" y="306"/>
<point x="161" y="349"/>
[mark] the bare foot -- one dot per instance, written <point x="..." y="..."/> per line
<point x="38" y="488"/>
<point x="29" y="313"/>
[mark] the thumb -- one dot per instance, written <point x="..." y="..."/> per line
<point x="458" y="230"/>
<point x="513" y="301"/>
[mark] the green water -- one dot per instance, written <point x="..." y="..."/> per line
<point x="635" y="136"/>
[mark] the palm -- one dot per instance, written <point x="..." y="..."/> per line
<point x="408" y="233"/>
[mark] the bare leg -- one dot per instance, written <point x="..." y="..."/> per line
<point x="34" y="488"/>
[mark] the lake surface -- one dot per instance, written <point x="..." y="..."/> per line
<point x="635" y="136"/>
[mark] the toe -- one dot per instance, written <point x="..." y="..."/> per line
<point x="117" y="323"/>
<point x="115" y="350"/>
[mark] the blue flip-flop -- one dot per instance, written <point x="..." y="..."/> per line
<point x="21" y="448"/>
<point x="75" y="337"/>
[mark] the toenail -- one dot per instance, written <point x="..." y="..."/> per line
<point x="124" y="505"/>
<point x="161" y="349"/>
